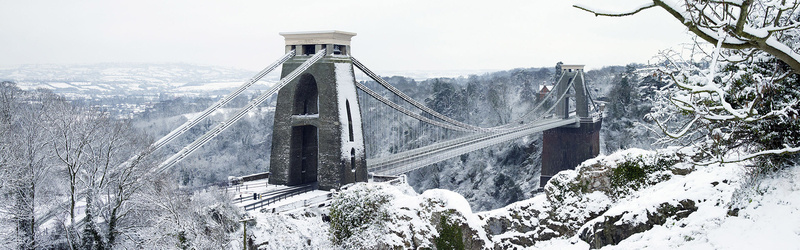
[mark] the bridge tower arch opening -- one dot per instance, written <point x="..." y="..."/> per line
<point x="306" y="96"/>
<point x="304" y="144"/>
<point x="317" y="132"/>
<point x="304" y="153"/>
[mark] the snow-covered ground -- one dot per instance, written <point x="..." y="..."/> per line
<point x="768" y="213"/>
<point x="244" y="193"/>
<point x="769" y="216"/>
<point x="732" y="212"/>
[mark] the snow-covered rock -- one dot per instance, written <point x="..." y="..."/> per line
<point x="676" y="206"/>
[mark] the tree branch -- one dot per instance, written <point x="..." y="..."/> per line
<point x="743" y="11"/>
<point x="768" y="44"/>
<point x="598" y="13"/>
<point x="784" y="151"/>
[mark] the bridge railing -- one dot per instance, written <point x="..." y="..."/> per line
<point x="279" y="196"/>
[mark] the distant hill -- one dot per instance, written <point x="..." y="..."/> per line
<point x="130" y="79"/>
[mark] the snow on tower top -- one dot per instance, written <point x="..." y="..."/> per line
<point x="318" y="37"/>
<point x="571" y="67"/>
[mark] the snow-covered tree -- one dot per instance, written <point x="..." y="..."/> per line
<point x="173" y="218"/>
<point x="740" y="101"/>
<point x="24" y="168"/>
<point x="111" y="181"/>
<point x="73" y="131"/>
<point x="50" y="145"/>
<point x="629" y="99"/>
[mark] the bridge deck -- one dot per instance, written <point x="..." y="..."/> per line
<point x="416" y="158"/>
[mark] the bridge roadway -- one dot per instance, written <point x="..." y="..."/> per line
<point x="416" y="158"/>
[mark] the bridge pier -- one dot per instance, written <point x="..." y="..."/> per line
<point x="566" y="147"/>
<point x="317" y="133"/>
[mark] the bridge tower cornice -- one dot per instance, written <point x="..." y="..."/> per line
<point x="336" y="43"/>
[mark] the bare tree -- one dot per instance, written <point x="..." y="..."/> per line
<point x="42" y="137"/>
<point x="116" y="179"/>
<point x="23" y="165"/>
<point x="73" y="131"/>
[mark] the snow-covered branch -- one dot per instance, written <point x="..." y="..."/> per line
<point x="738" y="20"/>
<point x="729" y="102"/>
<point x="783" y="151"/>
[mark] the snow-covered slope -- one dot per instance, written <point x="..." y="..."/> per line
<point x="764" y="216"/>
<point x="677" y="206"/>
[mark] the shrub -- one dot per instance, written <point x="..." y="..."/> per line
<point x="356" y="209"/>
<point x="450" y="236"/>
<point x="628" y="174"/>
<point x="636" y="173"/>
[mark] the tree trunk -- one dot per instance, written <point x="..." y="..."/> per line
<point x="91" y="238"/>
<point x="72" y="204"/>
<point x="112" y="231"/>
<point x="25" y="217"/>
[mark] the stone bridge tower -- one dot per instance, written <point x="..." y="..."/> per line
<point x="566" y="147"/>
<point x="317" y="136"/>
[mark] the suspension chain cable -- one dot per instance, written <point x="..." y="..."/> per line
<point x="186" y="151"/>
<point x="195" y="120"/>
<point x="466" y="127"/>
<point x="410" y="100"/>
<point x="407" y="112"/>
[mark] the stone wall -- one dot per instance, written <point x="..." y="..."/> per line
<point x="331" y="170"/>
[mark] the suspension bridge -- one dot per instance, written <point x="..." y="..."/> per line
<point x="322" y="113"/>
<point x="330" y="130"/>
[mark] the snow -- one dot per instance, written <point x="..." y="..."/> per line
<point x="94" y="88"/>
<point x="774" y="219"/>
<point x="784" y="150"/>
<point x="564" y="244"/>
<point x="208" y="86"/>
<point x="306" y="116"/>
<point x="346" y="93"/>
<point x="760" y="33"/>
<point x="771" y="41"/>
<point x="60" y="85"/>
<point x="768" y="215"/>
<point x="247" y="189"/>
<point x="80" y="83"/>
<point x="768" y="221"/>
<point x="290" y="231"/>
<point x="300" y="201"/>
<point x="456" y="201"/>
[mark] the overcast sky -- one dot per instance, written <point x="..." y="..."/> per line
<point x="392" y="35"/>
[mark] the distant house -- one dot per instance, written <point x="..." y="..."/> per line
<point x="543" y="90"/>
